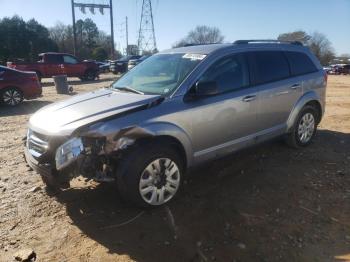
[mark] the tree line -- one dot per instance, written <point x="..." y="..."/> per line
<point x="25" y="40"/>
<point x="318" y="43"/>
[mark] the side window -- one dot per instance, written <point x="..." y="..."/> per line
<point x="300" y="63"/>
<point x="269" y="66"/>
<point x="230" y="73"/>
<point x="54" y="59"/>
<point x="69" y="59"/>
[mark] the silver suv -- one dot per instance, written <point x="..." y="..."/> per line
<point x="177" y="109"/>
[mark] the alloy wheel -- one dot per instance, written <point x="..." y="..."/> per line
<point x="159" y="181"/>
<point x="12" y="97"/>
<point x="306" y="128"/>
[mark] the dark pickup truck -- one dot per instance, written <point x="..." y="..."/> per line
<point x="51" y="64"/>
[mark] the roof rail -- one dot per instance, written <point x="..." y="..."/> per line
<point x="262" y="41"/>
<point x="187" y="45"/>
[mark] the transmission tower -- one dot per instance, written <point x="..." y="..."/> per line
<point x="147" y="37"/>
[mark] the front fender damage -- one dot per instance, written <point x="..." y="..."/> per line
<point x="120" y="140"/>
<point x="103" y="150"/>
<point x="105" y="141"/>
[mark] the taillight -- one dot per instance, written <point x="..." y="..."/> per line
<point x="325" y="76"/>
<point x="11" y="65"/>
<point x="34" y="78"/>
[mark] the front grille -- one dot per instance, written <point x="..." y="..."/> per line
<point x="37" y="144"/>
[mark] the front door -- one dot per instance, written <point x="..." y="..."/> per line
<point x="70" y="66"/>
<point x="224" y="122"/>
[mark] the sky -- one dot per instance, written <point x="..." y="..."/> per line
<point x="173" y="19"/>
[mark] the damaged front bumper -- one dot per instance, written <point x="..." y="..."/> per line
<point x="92" y="154"/>
<point x="42" y="169"/>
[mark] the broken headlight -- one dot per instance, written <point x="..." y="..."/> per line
<point x="68" y="152"/>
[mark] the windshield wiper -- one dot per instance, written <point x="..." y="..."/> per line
<point x="130" y="89"/>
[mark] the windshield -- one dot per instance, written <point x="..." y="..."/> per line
<point x="160" y="74"/>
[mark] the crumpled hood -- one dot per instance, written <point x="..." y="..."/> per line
<point x="62" y="118"/>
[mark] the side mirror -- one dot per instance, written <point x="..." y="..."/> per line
<point x="203" y="89"/>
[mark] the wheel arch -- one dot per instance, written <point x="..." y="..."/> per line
<point x="175" y="135"/>
<point x="11" y="86"/>
<point x="167" y="140"/>
<point x="310" y="98"/>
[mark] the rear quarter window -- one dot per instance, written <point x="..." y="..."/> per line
<point x="300" y="63"/>
<point x="268" y="66"/>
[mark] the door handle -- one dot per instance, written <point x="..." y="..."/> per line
<point x="249" y="98"/>
<point x="295" y="86"/>
<point x="283" y="93"/>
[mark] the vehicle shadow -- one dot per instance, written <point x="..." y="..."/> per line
<point x="27" y="107"/>
<point x="228" y="209"/>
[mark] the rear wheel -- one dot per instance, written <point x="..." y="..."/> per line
<point x="304" y="128"/>
<point x="150" y="175"/>
<point x="11" y="96"/>
<point x="89" y="75"/>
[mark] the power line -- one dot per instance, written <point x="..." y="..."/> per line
<point x="92" y="6"/>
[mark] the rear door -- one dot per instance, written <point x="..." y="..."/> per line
<point x="278" y="91"/>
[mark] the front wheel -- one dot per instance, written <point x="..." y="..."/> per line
<point x="150" y="175"/>
<point x="56" y="181"/>
<point x="304" y="128"/>
<point x="11" y="96"/>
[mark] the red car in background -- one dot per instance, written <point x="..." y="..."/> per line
<point x="17" y="85"/>
<point x="53" y="64"/>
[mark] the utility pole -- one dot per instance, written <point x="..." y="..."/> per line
<point x="147" y="37"/>
<point x="74" y="31"/>
<point x="92" y="7"/>
<point x="112" y="30"/>
<point x="127" y="35"/>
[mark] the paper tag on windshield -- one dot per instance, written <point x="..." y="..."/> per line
<point x="194" y="56"/>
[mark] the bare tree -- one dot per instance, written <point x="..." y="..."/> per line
<point x="300" y="36"/>
<point x="202" y="35"/>
<point x="62" y="35"/>
<point x="321" y="47"/>
<point x="317" y="42"/>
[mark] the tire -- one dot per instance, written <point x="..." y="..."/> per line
<point x="89" y="75"/>
<point x="304" y="128"/>
<point x="11" y="96"/>
<point x="137" y="173"/>
<point x="56" y="182"/>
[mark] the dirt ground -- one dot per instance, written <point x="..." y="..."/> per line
<point x="267" y="203"/>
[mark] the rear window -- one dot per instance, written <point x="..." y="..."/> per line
<point x="300" y="63"/>
<point x="269" y="66"/>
